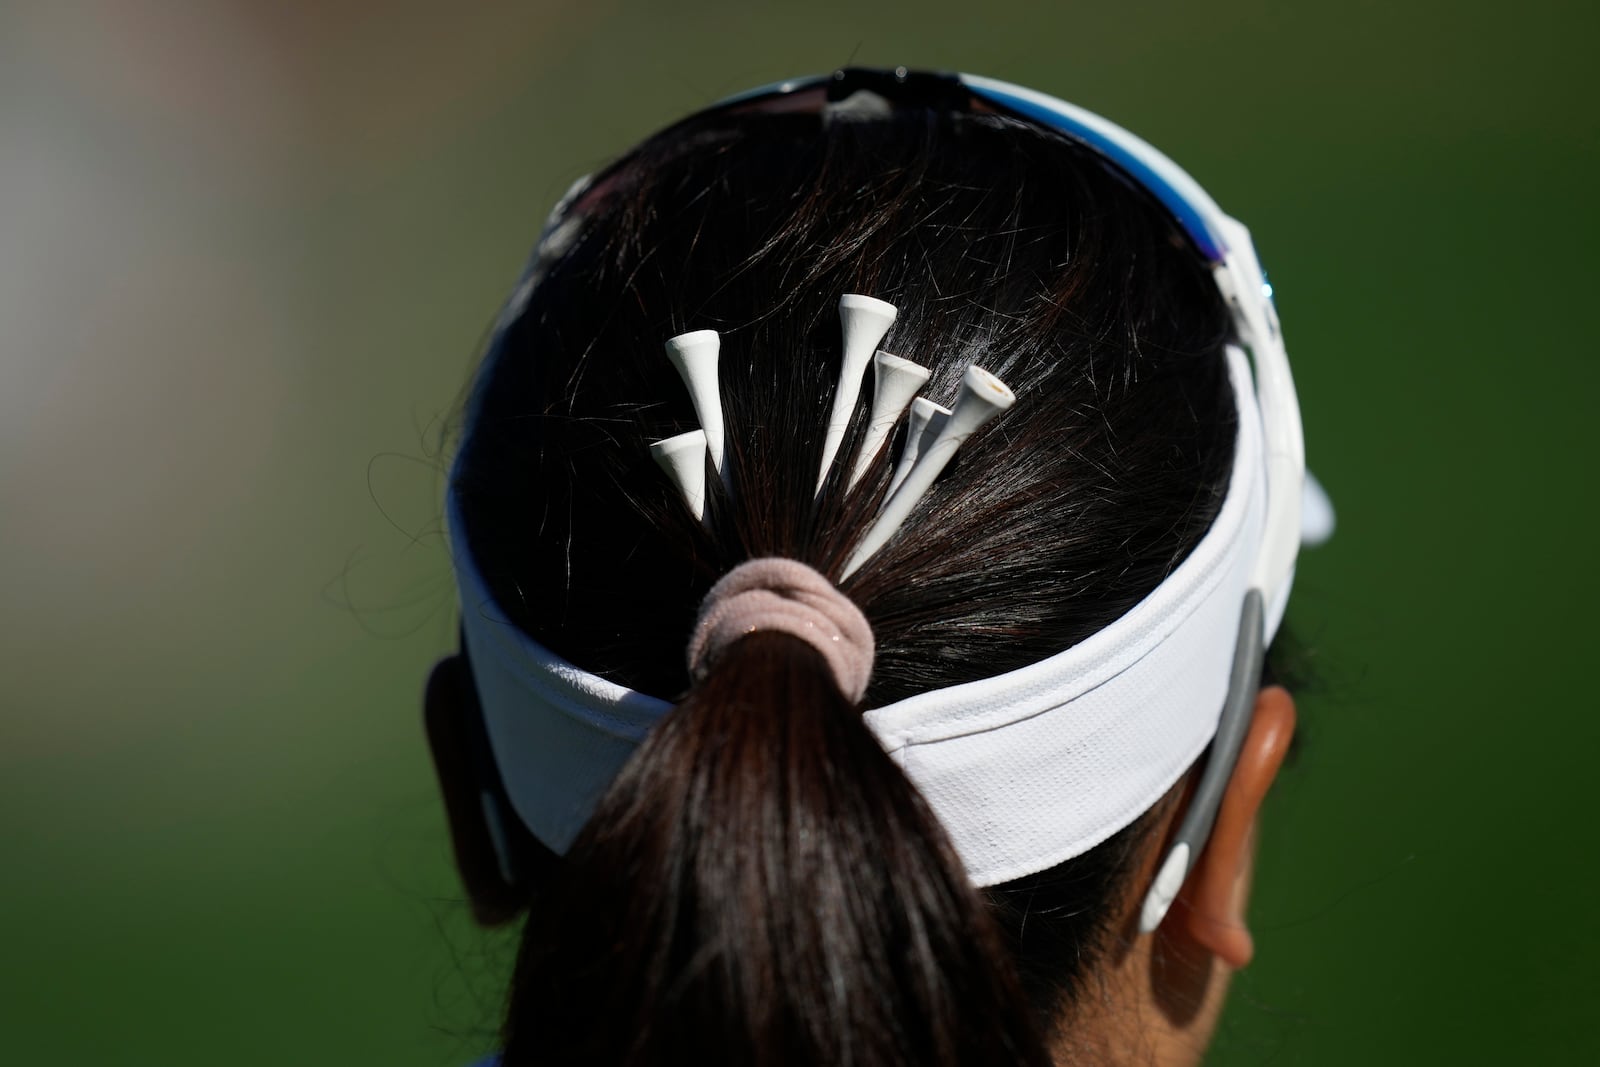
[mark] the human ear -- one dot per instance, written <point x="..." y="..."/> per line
<point x="1210" y="909"/>
<point x="473" y="797"/>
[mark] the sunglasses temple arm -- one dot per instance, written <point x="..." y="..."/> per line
<point x="1234" y="724"/>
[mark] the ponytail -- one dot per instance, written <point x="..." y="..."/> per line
<point x="762" y="884"/>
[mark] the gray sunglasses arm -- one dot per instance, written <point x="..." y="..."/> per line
<point x="1243" y="683"/>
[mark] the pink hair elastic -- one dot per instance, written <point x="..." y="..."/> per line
<point x="785" y="596"/>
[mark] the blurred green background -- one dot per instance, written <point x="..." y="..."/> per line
<point x="248" y="253"/>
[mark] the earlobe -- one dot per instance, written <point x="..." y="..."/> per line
<point x="1210" y="910"/>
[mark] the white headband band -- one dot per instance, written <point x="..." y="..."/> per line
<point x="1040" y="764"/>
<point x="1025" y="769"/>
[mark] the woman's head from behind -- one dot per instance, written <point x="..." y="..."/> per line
<point x="761" y="880"/>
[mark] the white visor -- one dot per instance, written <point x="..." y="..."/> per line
<point x="1029" y="768"/>
<point x="1025" y="769"/>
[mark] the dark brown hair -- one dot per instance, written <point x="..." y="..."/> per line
<point x="762" y="883"/>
